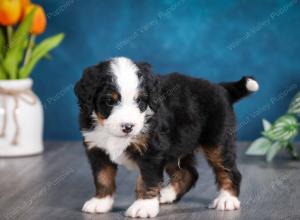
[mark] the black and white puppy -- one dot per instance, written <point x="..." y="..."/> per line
<point x="156" y="123"/>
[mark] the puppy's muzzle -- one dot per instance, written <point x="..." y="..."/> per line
<point x="127" y="127"/>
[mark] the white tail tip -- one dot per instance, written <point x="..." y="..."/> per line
<point x="252" y="85"/>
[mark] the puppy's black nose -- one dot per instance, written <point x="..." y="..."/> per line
<point x="127" y="127"/>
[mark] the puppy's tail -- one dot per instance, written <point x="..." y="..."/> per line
<point x="240" y="89"/>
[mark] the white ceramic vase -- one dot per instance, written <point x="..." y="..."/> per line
<point x="21" y="119"/>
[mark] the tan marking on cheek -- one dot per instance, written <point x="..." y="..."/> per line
<point x="140" y="143"/>
<point x="101" y="119"/>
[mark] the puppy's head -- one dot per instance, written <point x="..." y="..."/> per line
<point x="117" y="94"/>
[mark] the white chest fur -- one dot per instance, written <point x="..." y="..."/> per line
<point x="114" y="146"/>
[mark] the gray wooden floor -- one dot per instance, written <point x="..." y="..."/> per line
<point x="56" y="184"/>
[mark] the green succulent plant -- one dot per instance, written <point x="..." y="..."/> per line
<point x="279" y="135"/>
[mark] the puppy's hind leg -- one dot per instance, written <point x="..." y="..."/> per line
<point x="183" y="176"/>
<point x="228" y="178"/>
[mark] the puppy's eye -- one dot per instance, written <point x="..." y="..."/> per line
<point x="141" y="99"/>
<point x="142" y="102"/>
<point x="138" y="100"/>
<point x="110" y="101"/>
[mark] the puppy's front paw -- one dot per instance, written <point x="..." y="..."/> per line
<point x="225" y="202"/>
<point x="143" y="208"/>
<point x="96" y="205"/>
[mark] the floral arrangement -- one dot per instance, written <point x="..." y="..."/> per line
<point x="279" y="135"/>
<point x="21" y="22"/>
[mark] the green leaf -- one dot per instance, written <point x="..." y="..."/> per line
<point x="274" y="149"/>
<point x="3" y="74"/>
<point x="266" y="124"/>
<point x="294" y="107"/>
<point x="15" y="51"/>
<point x="292" y="151"/>
<point x="39" y="52"/>
<point x="284" y="129"/>
<point x="2" y="44"/>
<point x="259" y="147"/>
<point x="47" y="56"/>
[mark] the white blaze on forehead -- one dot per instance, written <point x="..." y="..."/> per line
<point x="126" y="76"/>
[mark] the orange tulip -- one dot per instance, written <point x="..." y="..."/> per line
<point x="24" y="3"/>
<point x="39" y="21"/>
<point x="10" y="12"/>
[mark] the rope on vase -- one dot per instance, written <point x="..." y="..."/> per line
<point x="25" y="95"/>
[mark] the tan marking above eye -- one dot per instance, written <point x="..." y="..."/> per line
<point x="114" y="96"/>
<point x="143" y="94"/>
<point x="140" y="95"/>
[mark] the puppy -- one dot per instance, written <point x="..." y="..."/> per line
<point x="154" y="124"/>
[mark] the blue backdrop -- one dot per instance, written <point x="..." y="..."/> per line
<point x="217" y="40"/>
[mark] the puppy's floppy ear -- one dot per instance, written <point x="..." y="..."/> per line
<point x="151" y="83"/>
<point x="144" y="67"/>
<point x="86" y="88"/>
<point x="154" y="99"/>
